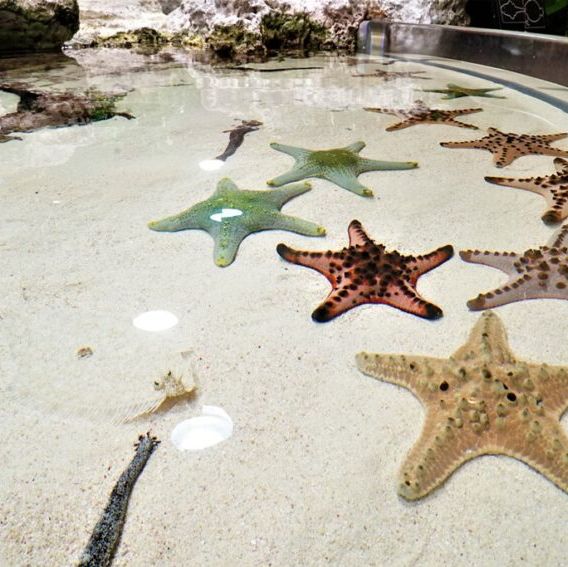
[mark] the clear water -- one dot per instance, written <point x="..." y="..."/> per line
<point x="309" y="475"/>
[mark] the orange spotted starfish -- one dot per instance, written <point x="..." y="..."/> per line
<point x="365" y="272"/>
<point x="554" y="188"/>
<point x="537" y="273"/>
<point x="482" y="400"/>
<point x="421" y="114"/>
<point x="506" y="147"/>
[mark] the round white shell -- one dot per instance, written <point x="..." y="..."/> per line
<point x="213" y="426"/>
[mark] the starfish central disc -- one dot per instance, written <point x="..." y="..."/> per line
<point x="231" y="214"/>
<point x="365" y="272"/>
<point x="480" y="401"/>
<point x="341" y="166"/>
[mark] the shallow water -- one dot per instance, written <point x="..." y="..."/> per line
<point x="309" y="476"/>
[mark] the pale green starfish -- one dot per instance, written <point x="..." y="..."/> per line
<point x="231" y="214"/>
<point x="456" y="91"/>
<point x="338" y="165"/>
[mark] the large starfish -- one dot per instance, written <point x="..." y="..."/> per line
<point x="365" y="272"/>
<point x="341" y="166"/>
<point x="231" y="214"/>
<point x="479" y="401"/>
<point x="456" y="91"/>
<point x="554" y="188"/>
<point x="390" y="75"/>
<point x="507" y="146"/>
<point x="419" y="113"/>
<point x="537" y="273"/>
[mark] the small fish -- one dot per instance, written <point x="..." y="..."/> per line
<point x="237" y="135"/>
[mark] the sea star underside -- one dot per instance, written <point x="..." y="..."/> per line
<point x="479" y="401"/>
<point x="537" y="273"/>
<point x="554" y="188"/>
<point x="419" y="113"/>
<point x="456" y="91"/>
<point x="231" y="214"/>
<point x="364" y="272"/>
<point x="341" y="166"/>
<point x="507" y="146"/>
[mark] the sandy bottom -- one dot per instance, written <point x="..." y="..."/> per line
<point x="310" y="475"/>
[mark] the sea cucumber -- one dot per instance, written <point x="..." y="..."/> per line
<point x="236" y="137"/>
<point x="106" y="535"/>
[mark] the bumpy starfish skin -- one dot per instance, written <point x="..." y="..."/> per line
<point x="480" y="401"/>
<point x="455" y="91"/>
<point x="231" y="214"/>
<point x="390" y="75"/>
<point x="421" y="114"/>
<point x="341" y="166"/>
<point x="537" y="273"/>
<point x="507" y="146"/>
<point x="365" y="272"/>
<point x="554" y="188"/>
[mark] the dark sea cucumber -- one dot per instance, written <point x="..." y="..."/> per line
<point x="237" y="135"/>
<point x="106" y="535"/>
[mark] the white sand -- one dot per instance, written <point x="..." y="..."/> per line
<point x="310" y="475"/>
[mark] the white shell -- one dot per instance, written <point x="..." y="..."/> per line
<point x="155" y="321"/>
<point x="213" y="426"/>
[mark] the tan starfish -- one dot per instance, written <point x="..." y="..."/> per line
<point x="537" y="273"/>
<point x="506" y="147"/>
<point x="419" y="113"/>
<point x="554" y="188"/>
<point x="479" y="401"/>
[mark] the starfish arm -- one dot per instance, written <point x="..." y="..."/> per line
<point x="402" y="125"/>
<point x="516" y="289"/>
<point x="186" y="220"/>
<point x="297" y="153"/>
<point x="559" y="237"/>
<point x="561" y="166"/>
<point x="295" y="224"/>
<point x="467" y="144"/>
<point x="552" y="137"/>
<point x="443" y="446"/>
<point x="419" y="374"/>
<point x="228" y="237"/>
<point x="355" y="147"/>
<point x="224" y="187"/>
<point x="461" y="124"/>
<point x="381" y="110"/>
<point x="422" y="264"/>
<point x="279" y="197"/>
<point x="319" y="261"/>
<point x="487" y="342"/>
<point x="504" y="261"/>
<point x="297" y="173"/>
<point x="357" y="234"/>
<point x="338" y="301"/>
<point x="404" y="297"/>
<point x="348" y="180"/>
<point x="540" y="442"/>
<point x="366" y="165"/>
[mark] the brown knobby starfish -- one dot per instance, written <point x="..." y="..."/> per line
<point x="537" y="273"/>
<point x="391" y="75"/>
<point x="554" y="188"/>
<point x="419" y="113"/>
<point x="365" y="272"/>
<point x="479" y="401"/>
<point x="507" y="146"/>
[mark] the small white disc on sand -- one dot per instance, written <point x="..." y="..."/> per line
<point x="155" y="320"/>
<point x="211" y="164"/>
<point x="213" y="426"/>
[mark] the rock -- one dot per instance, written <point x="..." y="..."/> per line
<point x="36" y="25"/>
<point x="169" y="5"/>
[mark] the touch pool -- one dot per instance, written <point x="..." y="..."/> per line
<point x="308" y="472"/>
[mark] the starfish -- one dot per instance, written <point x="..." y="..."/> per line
<point x="507" y="147"/>
<point x="554" y="188"/>
<point x="456" y="91"/>
<point x="341" y="166"/>
<point x="231" y="214"/>
<point x="419" y="113"/>
<point x="390" y="75"/>
<point x="365" y="272"/>
<point x="537" y="273"/>
<point x="479" y="401"/>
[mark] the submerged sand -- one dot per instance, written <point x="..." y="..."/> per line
<point x="310" y="475"/>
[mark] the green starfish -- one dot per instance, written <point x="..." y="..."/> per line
<point x="455" y="91"/>
<point x="341" y="166"/>
<point x="231" y="214"/>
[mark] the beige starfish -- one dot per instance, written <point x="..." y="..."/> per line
<point x="554" y="188"/>
<point x="506" y="147"/>
<point x="419" y="113"/>
<point x="480" y="401"/>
